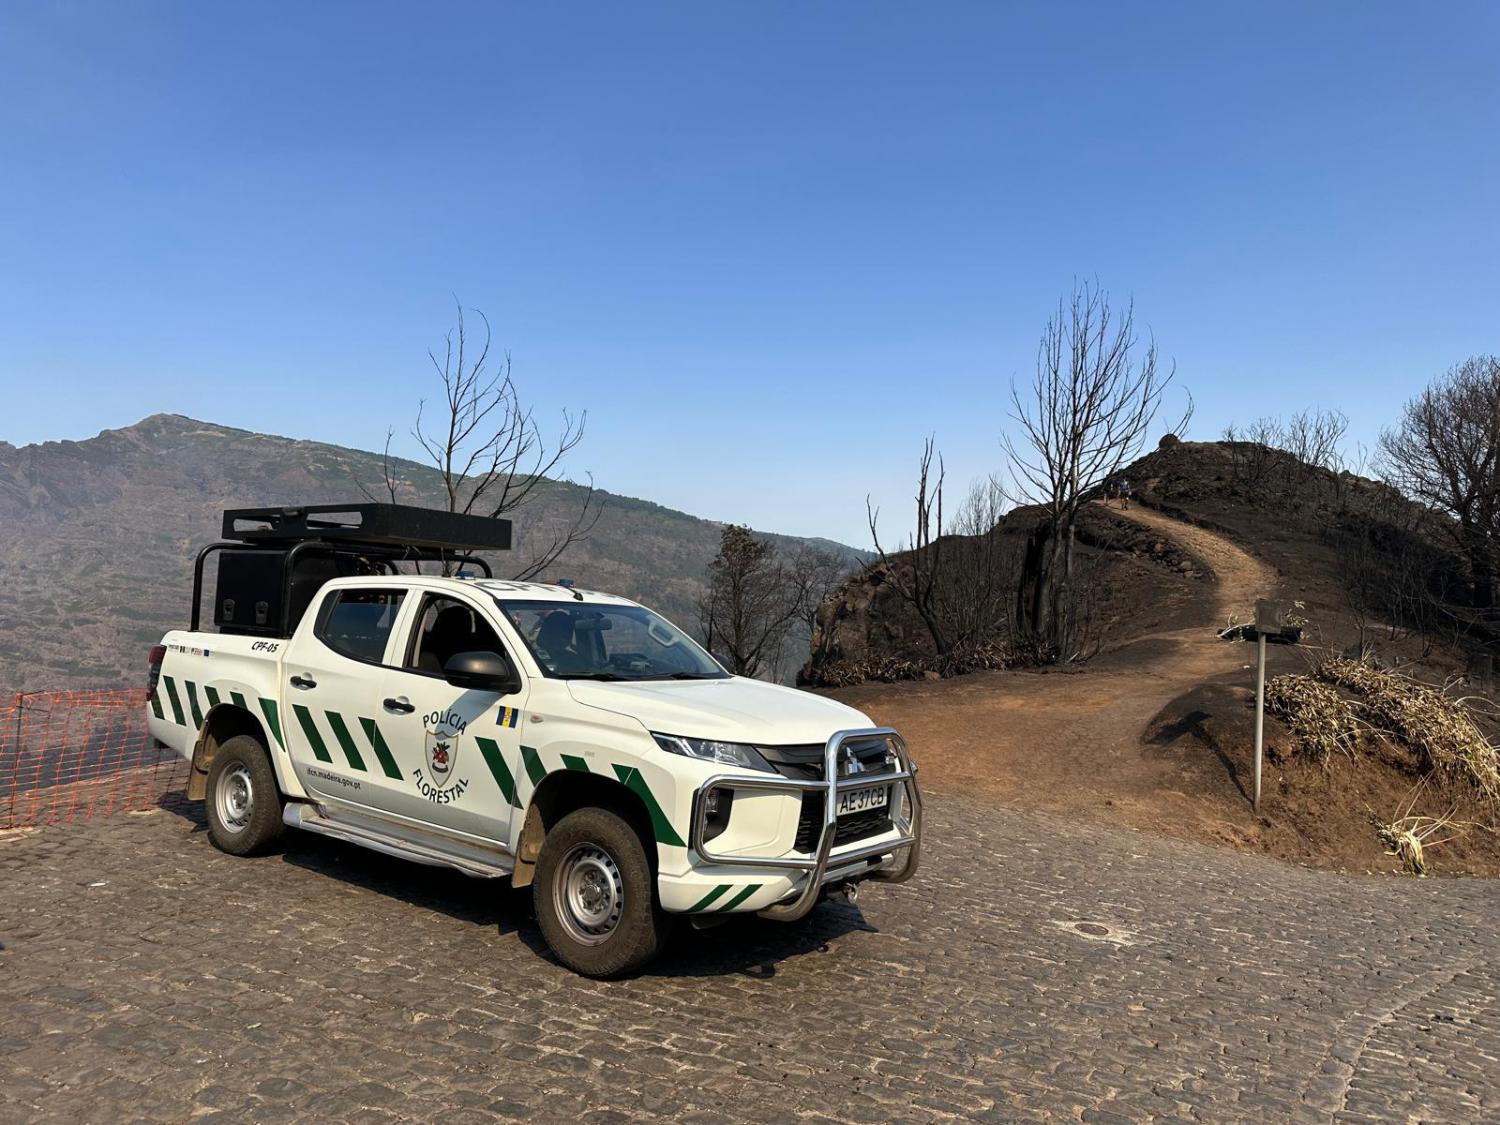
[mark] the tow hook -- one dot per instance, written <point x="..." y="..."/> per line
<point x="845" y="892"/>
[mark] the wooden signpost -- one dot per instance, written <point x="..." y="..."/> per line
<point x="1270" y="617"/>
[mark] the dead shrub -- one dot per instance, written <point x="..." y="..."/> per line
<point x="1409" y="837"/>
<point x="892" y="669"/>
<point x="1321" y="719"/>
<point x="1434" y="725"/>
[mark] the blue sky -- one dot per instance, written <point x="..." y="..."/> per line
<point x="768" y="247"/>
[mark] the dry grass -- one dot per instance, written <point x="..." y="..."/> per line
<point x="1436" y="726"/>
<point x="1344" y="699"/>
<point x="892" y="669"/>
<point x="1322" y="719"/>
<point x="1409" y="837"/>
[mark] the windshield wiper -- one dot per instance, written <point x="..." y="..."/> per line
<point x="695" y="676"/>
<point x="590" y="676"/>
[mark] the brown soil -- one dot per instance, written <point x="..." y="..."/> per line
<point x="1156" y="734"/>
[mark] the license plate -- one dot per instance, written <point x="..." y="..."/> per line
<point x="862" y="800"/>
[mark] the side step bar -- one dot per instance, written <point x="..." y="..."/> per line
<point x="482" y="863"/>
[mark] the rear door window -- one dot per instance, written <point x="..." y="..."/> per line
<point x="357" y="623"/>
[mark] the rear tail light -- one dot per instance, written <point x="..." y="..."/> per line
<point x="153" y="662"/>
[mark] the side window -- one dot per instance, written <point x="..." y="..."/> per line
<point x="445" y="627"/>
<point x="357" y="623"/>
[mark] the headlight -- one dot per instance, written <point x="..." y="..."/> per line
<point x="729" y="753"/>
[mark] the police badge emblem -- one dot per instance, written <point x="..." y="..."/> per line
<point x="441" y="783"/>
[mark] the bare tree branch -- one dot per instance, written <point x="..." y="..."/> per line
<point x="389" y="480"/>
<point x="753" y="597"/>
<point x="1090" y="405"/>
<point x="1445" y="453"/>
<point x="915" y="577"/>
<point x="488" y="448"/>
<point x="956" y="577"/>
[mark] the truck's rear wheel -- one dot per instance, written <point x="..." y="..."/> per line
<point x="242" y="800"/>
<point x="595" y="895"/>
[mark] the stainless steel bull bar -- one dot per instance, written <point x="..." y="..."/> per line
<point x="816" y="865"/>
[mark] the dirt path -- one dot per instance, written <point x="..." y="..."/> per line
<point x="1070" y="741"/>
<point x="1239" y="578"/>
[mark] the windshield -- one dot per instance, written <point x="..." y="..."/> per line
<point x="573" y="641"/>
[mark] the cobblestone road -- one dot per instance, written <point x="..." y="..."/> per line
<point x="143" y="975"/>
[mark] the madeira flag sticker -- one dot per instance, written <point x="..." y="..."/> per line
<point x="510" y="716"/>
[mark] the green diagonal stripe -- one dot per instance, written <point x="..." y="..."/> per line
<point x="341" y="732"/>
<point x="310" y="728"/>
<point x="192" y="692"/>
<point x="533" y="762"/>
<point x="174" y="701"/>
<point x="749" y="890"/>
<point x="382" y="751"/>
<point x="239" y="701"/>
<point x="156" y="702"/>
<point x="709" y="899"/>
<point x="273" y="720"/>
<point x="498" y="769"/>
<point x="213" y="697"/>
<point x="575" y="763"/>
<point x="660" y="825"/>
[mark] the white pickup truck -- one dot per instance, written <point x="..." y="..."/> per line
<point x="570" y="740"/>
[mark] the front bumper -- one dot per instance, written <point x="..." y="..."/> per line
<point x="825" y="866"/>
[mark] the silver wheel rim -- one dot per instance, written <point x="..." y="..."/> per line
<point x="235" y="798"/>
<point x="589" y="894"/>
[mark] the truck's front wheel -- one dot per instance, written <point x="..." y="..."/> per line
<point x="243" y="802"/>
<point x="595" y="897"/>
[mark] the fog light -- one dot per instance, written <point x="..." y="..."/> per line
<point x="717" y="806"/>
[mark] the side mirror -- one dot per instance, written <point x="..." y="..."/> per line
<point x="482" y="671"/>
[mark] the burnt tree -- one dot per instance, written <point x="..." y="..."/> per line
<point x="488" y="448"/>
<point x="916" y="576"/>
<point x="753" y="598"/>
<point x="1445" y="453"/>
<point x="1095" y="395"/>
<point x="956" y="576"/>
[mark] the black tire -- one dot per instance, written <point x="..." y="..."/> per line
<point x="241" y="780"/>
<point x="634" y="927"/>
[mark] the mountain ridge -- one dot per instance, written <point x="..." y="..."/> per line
<point x="98" y="535"/>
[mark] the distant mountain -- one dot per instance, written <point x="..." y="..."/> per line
<point x="97" y="537"/>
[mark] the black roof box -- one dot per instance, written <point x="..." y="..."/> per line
<point x="376" y="525"/>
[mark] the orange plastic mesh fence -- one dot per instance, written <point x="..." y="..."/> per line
<point x="67" y="755"/>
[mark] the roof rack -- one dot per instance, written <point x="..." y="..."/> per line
<point x="375" y="525"/>
<point x="289" y="540"/>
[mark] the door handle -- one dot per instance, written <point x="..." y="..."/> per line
<point x="401" y="705"/>
<point x="304" y="682"/>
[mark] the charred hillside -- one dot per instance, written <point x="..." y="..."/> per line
<point x="1370" y="566"/>
<point x="1135" y="582"/>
